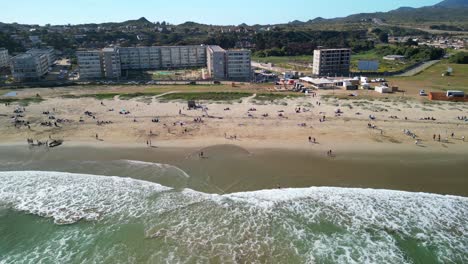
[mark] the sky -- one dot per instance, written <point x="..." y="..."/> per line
<point x="219" y="12"/>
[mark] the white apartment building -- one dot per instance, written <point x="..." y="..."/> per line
<point x="238" y="64"/>
<point x="136" y="58"/>
<point x="29" y="66"/>
<point x="216" y="62"/>
<point x="90" y="64"/>
<point x="4" y="58"/>
<point x="163" y="57"/>
<point x="49" y="52"/>
<point x="109" y="62"/>
<point x="331" y="62"/>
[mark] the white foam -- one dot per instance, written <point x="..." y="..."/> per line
<point x="317" y="224"/>
<point x="159" y="165"/>
<point x="68" y="197"/>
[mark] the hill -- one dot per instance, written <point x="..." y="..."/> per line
<point x="453" y="3"/>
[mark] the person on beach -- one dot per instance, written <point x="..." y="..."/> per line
<point x="463" y="138"/>
<point x="438" y="138"/>
<point x="310" y="139"/>
<point x="97" y="137"/>
<point x="434" y="137"/>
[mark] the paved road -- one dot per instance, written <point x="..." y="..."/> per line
<point x="419" y="69"/>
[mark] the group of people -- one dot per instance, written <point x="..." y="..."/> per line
<point x="100" y="123"/>
<point x="428" y="118"/>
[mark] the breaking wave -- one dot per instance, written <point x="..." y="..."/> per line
<point x="310" y="225"/>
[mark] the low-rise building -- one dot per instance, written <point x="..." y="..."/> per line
<point x="394" y="57"/>
<point x="29" y="66"/>
<point x="4" y="58"/>
<point x="331" y="62"/>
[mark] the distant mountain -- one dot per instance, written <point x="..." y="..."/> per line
<point x="452" y="3"/>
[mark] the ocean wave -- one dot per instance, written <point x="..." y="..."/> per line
<point x="308" y="225"/>
<point x="158" y="165"/>
<point x="68" y="198"/>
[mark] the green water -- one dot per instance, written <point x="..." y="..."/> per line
<point x="56" y="217"/>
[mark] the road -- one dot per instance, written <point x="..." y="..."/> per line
<point x="432" y="31"/>
<point x="268" y="68"/>
<point x="418" y="69"/>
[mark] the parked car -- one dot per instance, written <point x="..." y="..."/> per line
<point x="422" y="93"/>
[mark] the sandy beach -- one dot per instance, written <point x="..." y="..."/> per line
<point x="255" y="144"/>
<point x="285" y="123"/>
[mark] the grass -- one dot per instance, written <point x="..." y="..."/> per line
<point x="384" y="65"/>
<point x="22" y="101"/>
<point x="297" y="63"/>
<point x="432" y="80"/>
<point x="128" y="96"/>
<point x="98" y="96"/>
<point x="304" y="59"/>
<point x="206" y="96"/>
<point x="274" y="96"/>
<point x="110" y="96"/>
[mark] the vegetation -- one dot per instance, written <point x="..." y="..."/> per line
<point x="110" y="96"/>
<point x="98" y="96"/>
<point x="275" y="96"/>
<point x="21" y="101"/>
<point x="432" y="79"/>
<point x="460" y="58"/>
<point x="206" y="96"/>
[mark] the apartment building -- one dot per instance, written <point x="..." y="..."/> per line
<point x="111" y="64"/>
<point x="238" y="64"/>
<point x="96" y="64"/>
<point x="163" y="57"/>
<point x="49" y="52"/>
<point x="90" y="64"/>
<point x="230" y="64"/>
<point x="29" y="66"/>
<point x="4" y="58"/>
<point x="140" y="58"/>
<point x="216" y="62"/>
<point x="331" y="62"/>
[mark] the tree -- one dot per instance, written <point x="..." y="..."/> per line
<point x="383" y="37"/>
<point x="460" y="58"/>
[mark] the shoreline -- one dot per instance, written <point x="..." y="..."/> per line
<point x="232" y="169"/>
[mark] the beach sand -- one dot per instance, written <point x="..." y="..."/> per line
<point x="254" y="152"/>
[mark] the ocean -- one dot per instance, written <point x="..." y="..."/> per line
<point x="61" y="217"/>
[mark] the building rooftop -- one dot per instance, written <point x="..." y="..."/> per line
<point x="346" y="49"/>
<point x="24" y="56"/>
<point x="216" y="48"/>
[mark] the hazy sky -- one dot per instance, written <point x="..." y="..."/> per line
<point x="222" y="12"/>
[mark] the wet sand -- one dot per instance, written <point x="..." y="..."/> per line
<point x="229" y="168"/>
